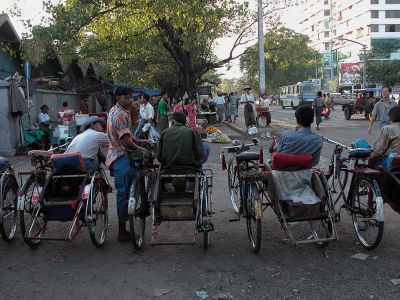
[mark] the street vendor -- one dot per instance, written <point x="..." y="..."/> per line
<point x="44" y="121"/>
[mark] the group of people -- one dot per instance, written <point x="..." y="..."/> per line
<point x="179" y="145"/>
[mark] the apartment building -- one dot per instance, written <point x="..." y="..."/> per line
<point x="368" y="22"/>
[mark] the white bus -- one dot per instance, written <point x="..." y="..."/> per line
<point x="302" y="93"/>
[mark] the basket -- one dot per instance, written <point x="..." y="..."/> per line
<point x="298" y="210"/>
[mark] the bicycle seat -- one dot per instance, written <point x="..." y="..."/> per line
<point x="248" y="156"/>
<point x="40" y="154"/>
<point x="4" y="162"/>
<point x="359" y="153"/>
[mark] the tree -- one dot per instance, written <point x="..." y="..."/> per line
<point x="288" y="59"/>
<point x="179" y="34"/>
<point x="386" y="72"/>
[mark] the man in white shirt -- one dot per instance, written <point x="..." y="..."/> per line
<point x="220" y="102"/>
<point x="248" y="100"/>
<point x="44" y="121"/>
<point x="89" y="142"/>
<point x="146" y="109"/>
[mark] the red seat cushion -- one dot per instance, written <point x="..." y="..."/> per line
<point x="281" y="161"/>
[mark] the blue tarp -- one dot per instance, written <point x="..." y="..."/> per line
<point x="138" y="90"/>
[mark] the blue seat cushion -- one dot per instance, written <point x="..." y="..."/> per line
<point x="68" y="160"/>
<point x="4" y="162"/>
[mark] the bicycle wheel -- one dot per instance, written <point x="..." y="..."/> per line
<point x="99" y="201"/>
<point x="262" y="121"/>
<point x="367" y="212"/>
<point x="233" y="184"/>
<point x="205" y="211"/>
<point x="9" y="216"/>
<point x="321" y="229"/>
<point x="31" y="217"/>
<point x="137" y="218"/>
<point x="253" y="218"/>
<point x="334" y="185"/>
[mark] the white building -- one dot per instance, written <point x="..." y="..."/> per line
<point x="369" y="22"/>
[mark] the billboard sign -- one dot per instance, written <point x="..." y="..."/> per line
<point x="350" y="73"/>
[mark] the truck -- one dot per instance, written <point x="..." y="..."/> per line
<point x="348" y="102"/>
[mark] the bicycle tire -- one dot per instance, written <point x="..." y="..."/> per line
<point x="335" y="187"/>
<point x="365" y="216"/>
<point x="9" y="208"/>
<point x="261" y="121"/>
<point x="326" y="231"/>
<point x="205" y="211"/>
<point x="253" y="223"/>
<point x="137" y="219"/>
<point x="29" y="211"/>
<point x="99" y="225"/>
<point x="233" y="184"/>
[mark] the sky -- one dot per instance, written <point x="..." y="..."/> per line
<point x="32" y="9"/>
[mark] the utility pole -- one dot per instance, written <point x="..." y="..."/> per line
<point x="261" y="56"/>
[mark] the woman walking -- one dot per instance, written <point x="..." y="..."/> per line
<point x="220" y="101"/>
<point x="191" y="113"/>
<point x="318" y="107"/>
<point x="248" y="100"/>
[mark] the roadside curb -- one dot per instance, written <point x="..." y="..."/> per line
<point x="235" y="128"/>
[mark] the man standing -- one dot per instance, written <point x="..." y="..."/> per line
<point x="88" y="143"/>
<point x="220" y="102"/>
<point x="302" y="140"/>
<point x="248" y="100"/>
<point x="146" y="109"/>
<point x="120" y="140"/>
<point x="381" y="110"/>
<point x="162" y="111"/>
<point x="318" y="107"/>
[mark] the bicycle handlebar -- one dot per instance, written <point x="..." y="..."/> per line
<point x="242" y="147"/>
<point x="336" y="143"/>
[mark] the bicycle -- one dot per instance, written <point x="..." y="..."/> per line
<point x="363" y="200"/>
<point x="8" y="203"/>
<point x="246" y="195"/>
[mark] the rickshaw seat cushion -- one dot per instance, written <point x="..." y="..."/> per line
<point x="282" y="161"/>
<point x="248" y="156"/>
<point x="4" y="162"/>
<point x="68" y="160"/>
<point x="359" y="153"/>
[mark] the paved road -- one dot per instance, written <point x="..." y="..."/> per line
<point x="280" y="271"/>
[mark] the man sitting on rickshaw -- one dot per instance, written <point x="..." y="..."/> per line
<point x="385" y="152"/>
<point x="302" y="140"/>
<point x="181" y="146"/>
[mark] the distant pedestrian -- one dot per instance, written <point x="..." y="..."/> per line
<point x="248" y="100"/>
<point x="220" y="102"/>
<point x="265" y="102"/>
<point x="191" y="112"/>
<point x="381" y="110"/>
<point x="233" y="106"/>
<point x="318" y="107"/>
<point x="162" y="112"/>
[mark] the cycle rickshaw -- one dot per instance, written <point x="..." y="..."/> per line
<point x="255" y="186"/>
<point x="172" y="195"/>
<point x="61" y="189"/>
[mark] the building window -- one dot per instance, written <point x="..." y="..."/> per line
<point x="326" y="45"/>
<point x="392" y="1"/>
<point x="374" y="28"/>
<point x="374" y="14"/>
<point x="312" y="27"/>
<point x="327" y="12"/>
<point x="374" y="1"/>
<point x="392" y="28"/>
<point x="392" y="14"/>
<point x="326" y="2"/>
<point x="326" y="33"/>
